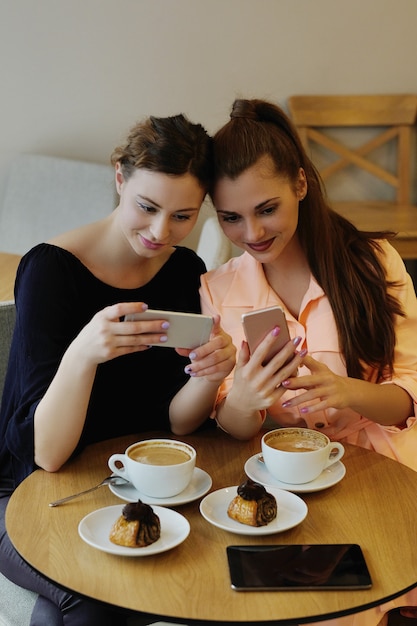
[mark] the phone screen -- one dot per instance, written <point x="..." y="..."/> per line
<point x="308" y="566"/>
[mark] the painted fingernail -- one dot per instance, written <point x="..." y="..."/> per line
<point x="285" y="404"/>
<point x="165" y="325"/>
<point x="304" y="409"/>
<point x="285" y="383"/>
<point x="163" y="338"/>
<point x="296" y="340"/>
<point x="275" y="331"/>
<point x="303" y="352"/>
<point x="192" y="355"/>
<point x="188" y="369"/>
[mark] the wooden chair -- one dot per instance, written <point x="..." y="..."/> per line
<point x="389" y="120"/>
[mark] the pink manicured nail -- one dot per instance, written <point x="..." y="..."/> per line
<point x="296" y="340"/>
<point x="275" y="331"/>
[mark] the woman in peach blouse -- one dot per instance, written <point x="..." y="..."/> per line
<point x="350" y="305"/>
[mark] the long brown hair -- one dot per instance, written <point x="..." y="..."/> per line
<point x="343" y="260"/>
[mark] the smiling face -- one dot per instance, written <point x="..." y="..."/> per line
<point x="258" y="211"/>
<point x="156" y="210"/>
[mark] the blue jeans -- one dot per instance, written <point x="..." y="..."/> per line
<point x="54" y="606"/>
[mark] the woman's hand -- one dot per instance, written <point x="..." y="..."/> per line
<point x="106" y="337"/>
<point x="389" y="405"/>
<point x="257" y="387"/>
<point x="215" y="359"/>
<point x="324" y="389"/>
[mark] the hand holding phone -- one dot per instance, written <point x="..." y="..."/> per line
<point x="258" y="324"/>
<point x="186" y="330"/>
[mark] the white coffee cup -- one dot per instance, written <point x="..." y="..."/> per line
<point x="160" y="468"/>
<point x="298" y="455"/>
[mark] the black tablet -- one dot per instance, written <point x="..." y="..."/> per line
<point x="292" y="567"/>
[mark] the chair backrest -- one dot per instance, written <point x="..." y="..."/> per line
<point x="7" y="322"/>
<point x="390" y="116"/>
<point x="47" y="195"/>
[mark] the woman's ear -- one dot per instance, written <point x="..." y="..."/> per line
<point x="302" y="186"/>
<point x="119" y="179"/>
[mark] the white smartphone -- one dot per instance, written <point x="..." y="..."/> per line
<point x="186" y="330"/>
<point x="257" y="324"/>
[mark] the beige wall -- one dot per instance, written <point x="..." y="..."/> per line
<point x="76" y="74"/>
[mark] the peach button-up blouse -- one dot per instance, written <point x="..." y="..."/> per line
<point x="240" y="286"/>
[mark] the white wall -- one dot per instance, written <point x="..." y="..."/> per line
<point x="76" y="74"/>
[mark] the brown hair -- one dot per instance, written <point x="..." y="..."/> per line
<point x="171" y="145"/>
<point x="343" y="260"/>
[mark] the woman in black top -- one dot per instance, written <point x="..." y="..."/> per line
<point x="77" y="372"/>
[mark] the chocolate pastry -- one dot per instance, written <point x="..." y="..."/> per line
<point x="253" y="505"/>
<point x="137" y="527"/>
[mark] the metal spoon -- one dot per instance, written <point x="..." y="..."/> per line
<point x="110" y="480"/>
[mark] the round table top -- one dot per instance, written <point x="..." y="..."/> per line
<point x="374" y="505"/>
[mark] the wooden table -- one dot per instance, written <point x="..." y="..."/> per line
<point x="374" y="505"/>
<point x="8" y="267"/>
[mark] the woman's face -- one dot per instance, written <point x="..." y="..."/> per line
<point x="258" y="211"/>
<point x="157" y="211"/>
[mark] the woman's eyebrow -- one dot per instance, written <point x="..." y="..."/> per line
<point x="262" y="204"/>
<point x="158" y="206"/>
<point x="258" y="206"/>
<point x="226" y="212"/>
<point x="146" y="199"/>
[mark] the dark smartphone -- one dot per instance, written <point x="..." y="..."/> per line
<point x="292" y="567"/>
<point x="257" y="324"/>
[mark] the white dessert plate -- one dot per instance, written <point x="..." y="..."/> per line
<point x="291" y="512"/>
<point x="95" y="528"/>
<point x="200" y="484"/>
<point x="256" y="470"/>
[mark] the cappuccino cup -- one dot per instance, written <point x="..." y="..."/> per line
<point x="160" y="468"/>
<point x="298" y="455"/>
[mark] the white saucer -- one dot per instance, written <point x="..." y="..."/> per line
<point x="200" y="483"/>
<point x="256" y="470"/>
<point x="291" y="512"/>
<point x="95" y="528"/>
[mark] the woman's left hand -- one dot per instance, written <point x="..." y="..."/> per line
<point x="324" y="389"/>
<point x="215" y="359"/>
